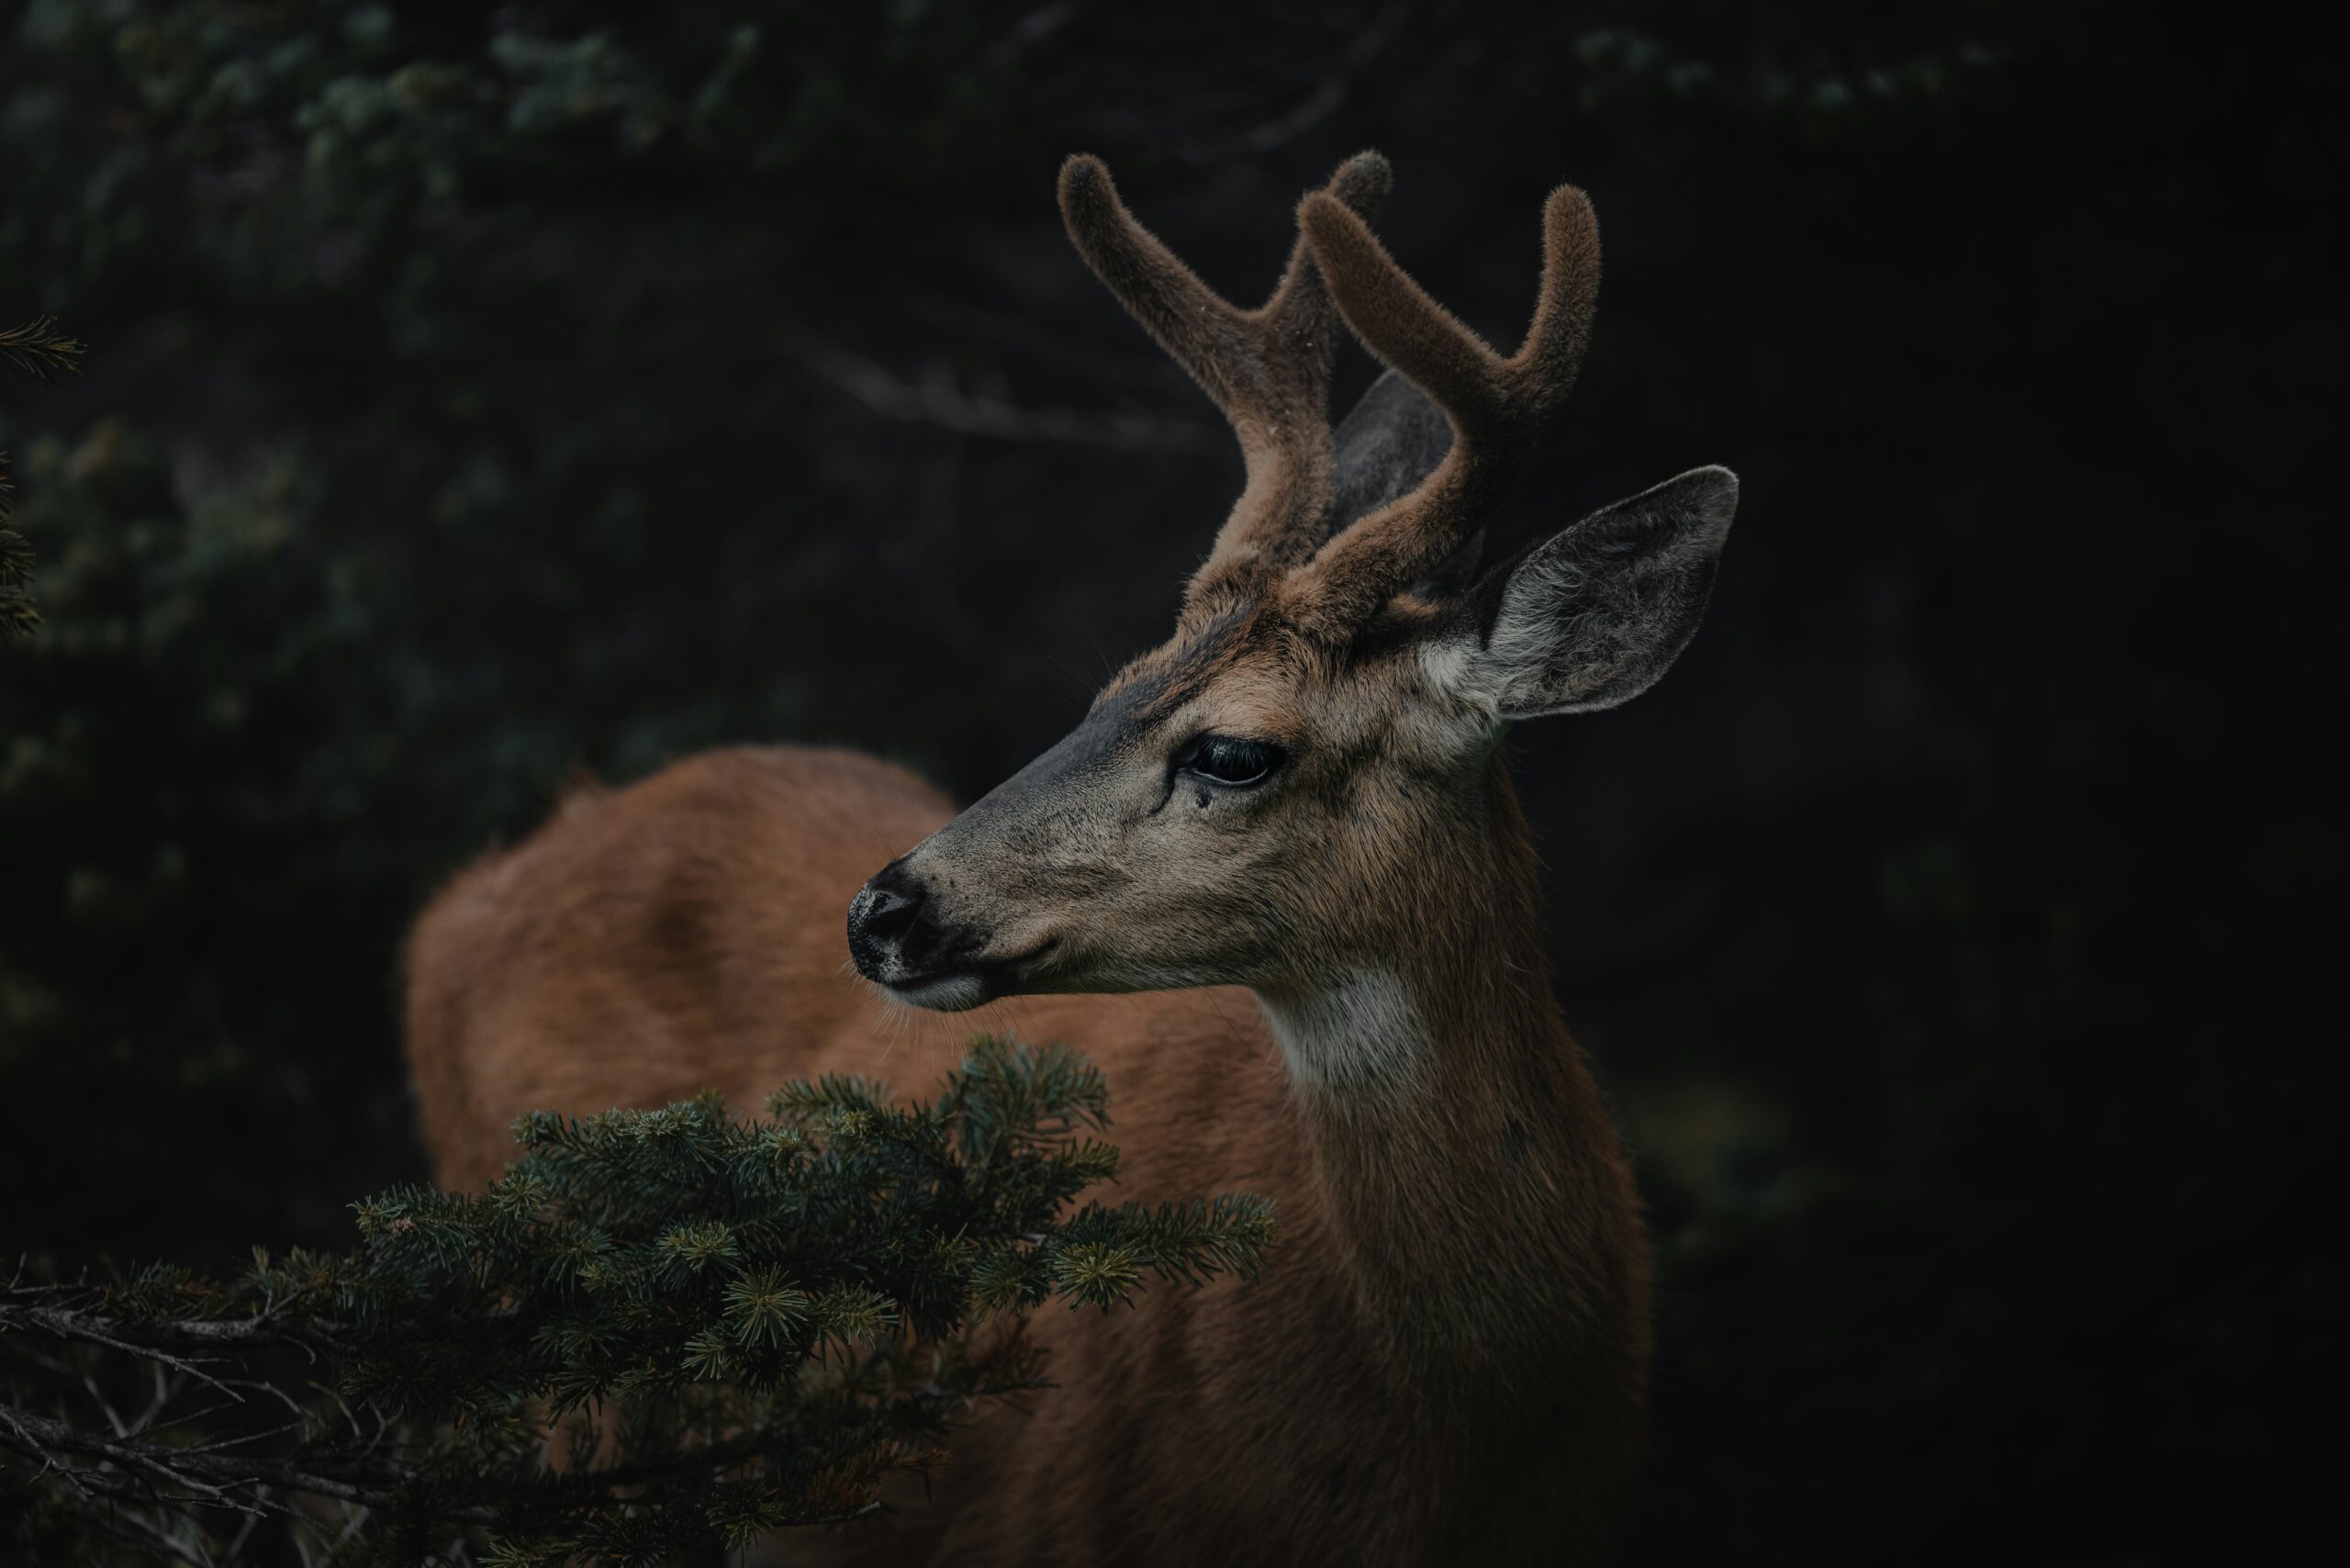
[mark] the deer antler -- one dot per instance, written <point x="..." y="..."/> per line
<point x="1496" y="405"/>
<point x="1268" y="369"/>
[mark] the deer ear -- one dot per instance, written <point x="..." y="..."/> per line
<point x="1392" y="441"/>
<point x="1592" y="617"/>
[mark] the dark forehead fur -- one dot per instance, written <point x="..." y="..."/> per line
<point x="1160" y="681"/>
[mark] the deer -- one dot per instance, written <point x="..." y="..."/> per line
<point x="1276" y="883"/>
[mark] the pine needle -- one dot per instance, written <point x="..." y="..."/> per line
<point x="38" y="347"/>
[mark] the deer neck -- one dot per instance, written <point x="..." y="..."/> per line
<point x="1459" y="1152"/>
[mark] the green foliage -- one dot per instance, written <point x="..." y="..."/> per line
<point x="1902" y="95"/>
<point x="19" y="615"/>
<point x="170" y="831"/>
<point x="746" y="1325"/>
<point x="38" y="347"/>
<point x="447" y="442"/>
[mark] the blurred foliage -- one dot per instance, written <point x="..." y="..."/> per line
<point x="490" y="393"/>
<point x="366" y="434"/>
<point x="733" y="1327"/>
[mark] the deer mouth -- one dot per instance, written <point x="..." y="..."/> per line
<point x="943" y="990"/>
<point x="959" y="988"/>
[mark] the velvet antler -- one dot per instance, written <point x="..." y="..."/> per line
<point x="1496" y="405"/>
<point x="1268" y="369"/>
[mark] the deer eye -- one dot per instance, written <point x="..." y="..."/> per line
<point x="1223" y="759"/>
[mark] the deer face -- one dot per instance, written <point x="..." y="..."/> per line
<point x="1198" y="828"/>
<point x="1247" y="806"/>
<point x="1268" y="799"/>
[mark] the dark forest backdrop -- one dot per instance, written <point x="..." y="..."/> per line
<point x="476" y="396"/>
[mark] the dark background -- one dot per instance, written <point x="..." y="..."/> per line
<point x="479" y="396"/>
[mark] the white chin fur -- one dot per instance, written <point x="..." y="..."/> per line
<point x="953" y="993"/>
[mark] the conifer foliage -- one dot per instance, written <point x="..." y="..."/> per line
<point x="736" y="1327"/>
<point x="36" y="346"/>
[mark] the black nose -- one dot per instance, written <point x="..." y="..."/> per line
<point x="888" y="933"/>
<point x="892" y="905"/>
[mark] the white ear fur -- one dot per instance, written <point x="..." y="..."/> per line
<point x="1596" y="614"/>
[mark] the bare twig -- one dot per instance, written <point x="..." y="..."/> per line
<point x="209" y="1477"/>
<point x="67" y="1324"/>
<point x="939" y="398"/>
<point x="165" y="1340"/>
<point x="1327" y="96"/>
<point x="1037" y="27"/>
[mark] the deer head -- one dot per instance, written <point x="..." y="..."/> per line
<point x="1302" y="783"/>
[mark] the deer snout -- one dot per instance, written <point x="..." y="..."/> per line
<point x="897" y="941"/>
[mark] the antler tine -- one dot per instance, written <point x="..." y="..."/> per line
<point x="1268" y="369"/>
<point x="1496" y="405"/>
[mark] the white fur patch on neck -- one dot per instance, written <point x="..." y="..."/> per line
<point x="1362" y="1034"/>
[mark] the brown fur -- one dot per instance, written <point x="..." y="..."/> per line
<point x="1444" y="1363"/>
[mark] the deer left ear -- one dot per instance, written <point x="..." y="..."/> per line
<point x="1593" y="615"/>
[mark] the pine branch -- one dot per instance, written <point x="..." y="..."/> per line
<point x="736" y="1327"/>
<point x="38" y="347"/>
